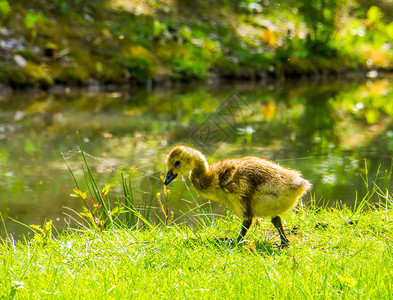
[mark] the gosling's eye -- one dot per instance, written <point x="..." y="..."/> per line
<point x="177" y="163"/>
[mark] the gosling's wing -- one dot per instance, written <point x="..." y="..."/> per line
<point x="242" y="176"/>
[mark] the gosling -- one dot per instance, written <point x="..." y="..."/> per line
<point x="250" y="186"/>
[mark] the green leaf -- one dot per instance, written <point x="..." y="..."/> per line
<point x="5" y="8"/>
<point x="157" y="28"/>
<point x="32" y="18"/>
<point x="347" y="280"/>
<point x="114" y="211"/>
<point x="37" y="227"/>
<point x="48" y="225"/>
<point x="105" y="190"/>
<point x="79" y="193"/>
<point x="389" y="30"/>
<point x="374" y="14"/>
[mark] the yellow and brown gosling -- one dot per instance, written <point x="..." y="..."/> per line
<point x="250" y="186"/>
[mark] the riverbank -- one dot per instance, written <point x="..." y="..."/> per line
<point x="93" y="43"/>
<point x="334" y="253"/>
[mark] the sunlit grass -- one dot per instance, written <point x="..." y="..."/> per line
<point x="335" y="252"/>
<point x="341" y="259"/>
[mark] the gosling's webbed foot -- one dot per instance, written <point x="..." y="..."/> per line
<point x="230" y="241"/>
<point x="226" y="240"/>
<point x="282" y="245"/>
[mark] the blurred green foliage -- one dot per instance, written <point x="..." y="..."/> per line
<point x="5" y="8"/>
<point x="33" y="18"/>
<point x="115" y="41"/>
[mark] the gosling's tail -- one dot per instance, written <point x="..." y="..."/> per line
<point x="304" y="186"/>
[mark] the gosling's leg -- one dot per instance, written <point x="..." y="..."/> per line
<point x="245" y="226"/>
<point x="277" y="223"/>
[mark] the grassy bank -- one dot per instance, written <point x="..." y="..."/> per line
<point x="334" y="254"/>
<point x="83" y="42"/>
<point x="118" y="252"/>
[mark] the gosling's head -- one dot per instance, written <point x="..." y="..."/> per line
<point x="181" y="160"/>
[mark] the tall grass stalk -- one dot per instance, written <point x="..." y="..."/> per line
<point x="93" y="187"/>
<point x="130" y="219"/>
<point x="100" y="213"/>
<point x="206" y="216"/>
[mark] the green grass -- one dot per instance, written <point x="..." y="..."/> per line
<point x="335" y="253"/>
<point x="338" y="261"/>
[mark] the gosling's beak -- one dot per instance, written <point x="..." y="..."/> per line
<point x="169" y="177"/>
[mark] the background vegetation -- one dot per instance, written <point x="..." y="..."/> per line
<point x="142" y="42"/>
<point x="121" y="234"/>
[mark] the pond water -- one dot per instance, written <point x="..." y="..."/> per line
<point x="329" y="130"/>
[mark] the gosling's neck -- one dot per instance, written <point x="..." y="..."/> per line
<point x="200" y="175"/>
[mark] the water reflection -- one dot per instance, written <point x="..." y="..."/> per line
<point x="325" y="130"/>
